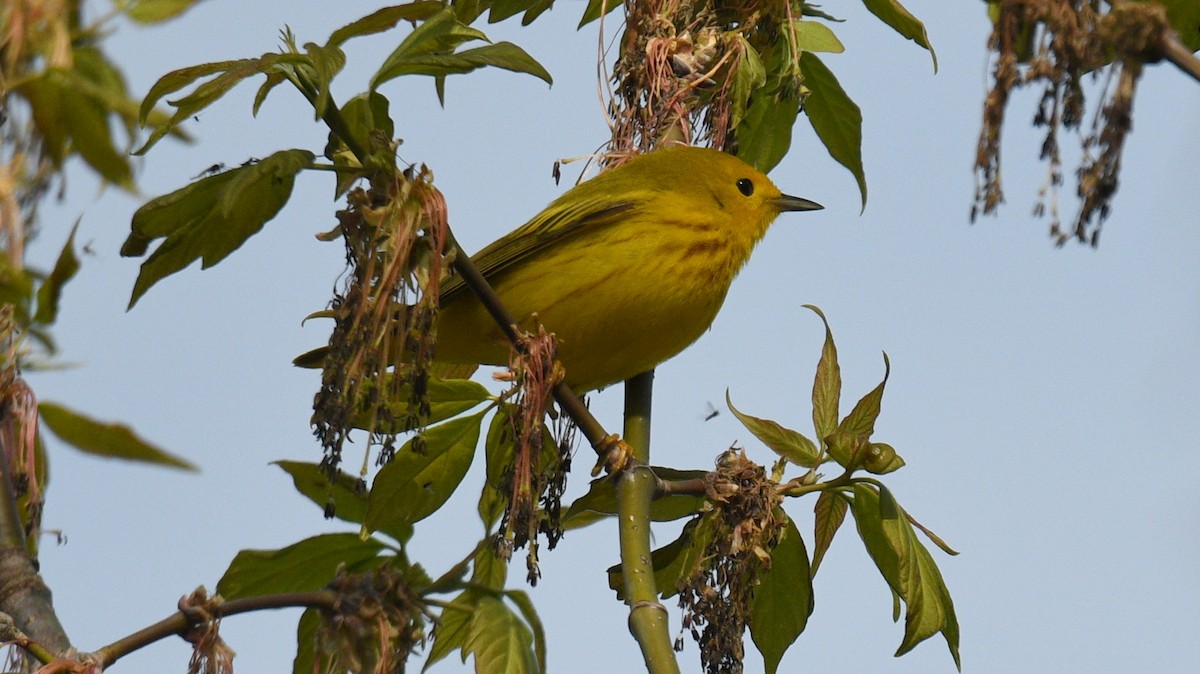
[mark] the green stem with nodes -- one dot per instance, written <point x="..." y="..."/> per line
<point x="635" y="491"/>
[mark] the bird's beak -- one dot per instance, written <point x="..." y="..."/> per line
<point x="789" y="203"/>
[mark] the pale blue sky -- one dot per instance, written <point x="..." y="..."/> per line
<point x="1044" y="399"/>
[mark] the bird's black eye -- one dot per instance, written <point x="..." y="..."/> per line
<point x="745" y="186"/>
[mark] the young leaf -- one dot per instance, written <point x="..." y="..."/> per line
<point x="64" y="270"/>
<point x="345" y="494"/>
<point x="830" y="512"/>
<point x="450" y="630"/>
<point x="785" y="442"/>
<point x="504" y="55"/>
<point x="783" y="599"/>
<point x="383" y="20"/>
<point x="816" y="36"/>
<point x="836" y="119"/>
<point x="827" y="385"/>
<point x="499" y="640"/>
<point x="413" y="485"/>
<point x="301" y="567"/>
<point x="529" y="613"/>
<point x="156" y="11"/>
<point x="749" y="76"/>
<point x="765" y="134"/>
<point x="895" y="15"/>
<point x="861" y="420"/>
<point x="447" y="398"/>
<point x="439" y="34"/>
<point x="210" y="218"/>
<point x="309" y="657"/>
<point x="908" y="568"/>
<point x="115" y="441"/>
<point x="596" y="9"/>
<point x="229" y="74"/>
<point x="674" y="562"/>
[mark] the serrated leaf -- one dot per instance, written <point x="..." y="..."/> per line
<point x="783" y="599"/>
<point x="902" y="21"/>
<point x="383" y="20"/>
<point x="116" y="441"/>
<point x="830" y="512"/>
<point x="50" y="291"/>
<point x="836" y="119"/>
<point x="210" y="218"/>
<point x="785" y="442"/>
<point x="500" y="641"/>
<point x="156" y="11"/>
<point x="600" y="501"/>
<point x="827" y="384"/>
<point x="816" y="36"/>
<point x="228" y="75"/>
<point x="413" y="485"/>
<point x="346" y="493"/>
<point x="861" y="420"/>
<point x="301" y="567"/>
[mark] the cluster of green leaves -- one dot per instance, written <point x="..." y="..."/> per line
<point x="478" y="617"/>
<point x="784" y="598"/>
<point x="185" y="222"/>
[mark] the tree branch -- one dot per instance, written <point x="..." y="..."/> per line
<point x="1176" y="52"/>
<point x="179" y="622"/>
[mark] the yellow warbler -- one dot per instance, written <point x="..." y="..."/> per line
<point x="626" y="269"/>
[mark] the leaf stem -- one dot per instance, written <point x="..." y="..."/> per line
<point x="635" y="490"/>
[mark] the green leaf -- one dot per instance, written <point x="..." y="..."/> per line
<point x="882" y="458"/>
<point x="765" y="134"/>
<point x="499" y="640"/>
<point x="674" y="562"/>
<point x="228" y="74"/>
<point x="895" y="15"/>
<point x="861" y="420"/>
<point x="309" y="656"/>
<point x="487" y="568"/>
<point x="326" y="62"/>
<point x="447" y="398"/>
<point x="785" y="442"/>
<point x="156" y="11"/>
<point x="345" y="498"/>
<point x="450" y="631"/>
<point x="64" y="270"/>
<point x="1184" y="16"/>
<point x="414" y="485"/>
<point x="383" y="20"/>
<point x="836" y="119"/>
<point x="908" y="568"/>
<point x="504" y="55"/>
<point x="830" y="512"/>
<point x="115" y="441"/>
<point x="301" y="567"/>
<point x="499" y="447"/>
<point x="596" y="9"/>
<point x="529" y="613"/>
<point x="369" y="121"/>
<point x="749" y="76"/>
<point x="827" y="385"/>
<point x="600" y="501"/>
<point x="783" y="599"/>
<point x="441" y="33"/>
<point x="210" y="218"/>
<point x="816" y="36"/>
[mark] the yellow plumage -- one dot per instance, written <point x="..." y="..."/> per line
<point x="627" y="269"/>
